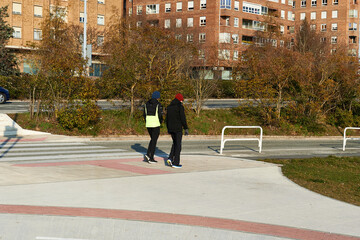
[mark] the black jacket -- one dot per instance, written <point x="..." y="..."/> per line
<point x="175" y="117"/>
<point x="151" y="109"/>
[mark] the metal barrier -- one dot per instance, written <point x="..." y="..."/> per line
<point x="241" y="139"/>
<point x="345" y="138"/>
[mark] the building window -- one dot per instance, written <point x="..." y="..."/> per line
<point x="100" y="41"/>
<point x="251" y="8"/>
<point x="101" y="1"/>
<point x="353" y="13"/>
<point x="97" y="69"/>
<point x="236" y="55"/>
<point x="235" y="38"/>
<point x="60" y="12"/>
<point x="37" y="34"/>
<point x="224" y="54"/>
<point x="324" y="2"/>
<point x="333" y="40"/>
<point x="334" y="27"/>
<point x="152" y="9"/>
<point x="202" y="4"/>
<point x="323" y="27"/>
<point x="352" y="26"/>
<point x="179" y="6"/>
<point x="264" y="10"/>
<point x="167" y="23"/>
<point x="352" y="52"/>
<point x="178" y="22"/>
<point x="334" y="14"/>
<point x="38" y="11"/>
<point x="190" y="22"/>
<point x="139" y="10"/>
<point x="224" y="37"/>
<point x="101" y="20"/>
<point x="202" y="37"/>
<point x="282" y="29"/>
<point x="282" y="14"/>
<point x="130" y="11"/>
<point x="17" y="32"/>
<point x="225" y="4"/>
<point x="16" y="8"/>
<point x="201" y="54"/>
<point x="313" y="27"/>
<point x="202" y="21"/>
<point x="352" y="39"/>
<point x="291" y="16"/>
<point x="313" y="3"/>
<point x="236" y="6"/>
<point x="190" y="37"/>
<point x="190" y="5"/>
<point x="302" y="16"/>
<point x="303" y="3"/>
<point x="139" y="23"/>
<point x="167" y="7"/>
<point x="236" y="22"/>
<point x="178" y="36"/>
<point x="323" y="15"/>
<point x="313" y="15"/>
<point x="82" y="18"/>
<point x="335" y="2"/>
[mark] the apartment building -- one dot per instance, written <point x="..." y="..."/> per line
<point x="337" y="19"/>
<point x="227" y="26"/>
<point x="26" y="16"/>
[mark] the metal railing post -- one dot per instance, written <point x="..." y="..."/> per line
<point x="223" y="141"/>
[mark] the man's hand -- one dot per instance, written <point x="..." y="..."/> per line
<point x="186" y="132"/>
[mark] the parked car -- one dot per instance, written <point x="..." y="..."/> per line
<point x="4" y="95"/>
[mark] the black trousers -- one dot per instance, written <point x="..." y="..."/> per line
<point x="176" y="147"/>
<point x="154" y="135"/>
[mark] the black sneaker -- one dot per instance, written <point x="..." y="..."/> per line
<point x="169" y="162"/>
<point x="153" y="161"/>
<point x="147" y="158"/>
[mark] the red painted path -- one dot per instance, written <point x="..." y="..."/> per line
<point x="219" y="223"/>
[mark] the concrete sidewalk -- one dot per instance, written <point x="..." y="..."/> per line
<point x="211" y="197"/>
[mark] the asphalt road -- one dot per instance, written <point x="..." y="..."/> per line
<point x="272" y="147"/>
<point x="16" y="106"/>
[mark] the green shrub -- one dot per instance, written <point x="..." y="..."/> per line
<point x="79" y="115"/>
<point x="341" y="118"/>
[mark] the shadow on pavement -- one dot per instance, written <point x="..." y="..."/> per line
<point x="11" y="133"/>
<point x="141" y="149"/>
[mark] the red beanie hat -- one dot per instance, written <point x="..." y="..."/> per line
<point x="179" y="97"/>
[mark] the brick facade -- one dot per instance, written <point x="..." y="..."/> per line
<point x="226" y="26"/>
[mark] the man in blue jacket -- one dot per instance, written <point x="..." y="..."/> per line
<point x="153" y="114"/>
<point x="176" y="122"/>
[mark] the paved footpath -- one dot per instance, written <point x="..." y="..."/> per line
<point x="211" y="197"/>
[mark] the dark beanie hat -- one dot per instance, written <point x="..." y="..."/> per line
<point x="179" y="97"/>
<point x="155" y="95"/>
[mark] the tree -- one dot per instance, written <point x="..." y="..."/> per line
<point x="202" y="80"/>
<point x="334" y="74"/>
<point x="59" y="83"/>
<point x="58" y="60"/>
<point x="8" y="64"/>
<point x="313" y="76"/>
<point x="143" y="59"/>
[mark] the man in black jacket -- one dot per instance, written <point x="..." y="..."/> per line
<point x="153" y="114"/>
<point x="176" y="122"/>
